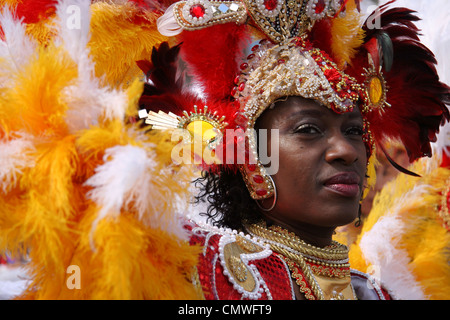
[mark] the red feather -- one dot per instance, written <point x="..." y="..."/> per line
<point x="320" y="35"/>
<point x="213" y="55"/>
<point x="33" y="11"/>
<point x="419" y="100"/>
<point x="165" y="91"/>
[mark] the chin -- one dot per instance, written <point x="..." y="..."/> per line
<point x="343" y="217"/>
<point x="346" y="222"/>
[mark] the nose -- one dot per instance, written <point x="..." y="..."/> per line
<point x="341" y="149"/>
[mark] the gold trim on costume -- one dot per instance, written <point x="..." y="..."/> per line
<point x="321" y="273"/>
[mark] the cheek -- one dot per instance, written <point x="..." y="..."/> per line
<point x="296" y="170"/>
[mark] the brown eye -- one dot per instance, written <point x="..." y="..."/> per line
<point x="355" y="131"/>
<point x="307" y="129"/>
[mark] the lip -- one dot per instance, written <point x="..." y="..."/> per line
<point x="345" y="184"/>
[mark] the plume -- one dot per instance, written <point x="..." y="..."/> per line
<point x="419" y="99"/>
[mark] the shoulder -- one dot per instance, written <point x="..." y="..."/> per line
<point x="236" y="266"/>
<point x="366" y="287"/>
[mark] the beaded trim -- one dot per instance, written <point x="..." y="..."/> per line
<point x="305" y="260"/>
<point x="284" y="19"/>
<point x="292" y="69"/>
<point x="299" y="278"/>
<point x="237" y="267"/>
<point x="272" y="72"/>
<point x="198" y="14"/>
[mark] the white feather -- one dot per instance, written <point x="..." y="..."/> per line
<point x="73" y="25"/>
<point x="127" y="178"/>
<point x="16" y="49"/>
<point x="15" y="156"/>
<point x="169" y="210"/>
<point x="120" y="178"/>
<point x="167" y="25"/>
<point x="381" y="248"/>
<point x="87" y="99"/>
<point x="13" y="281"/>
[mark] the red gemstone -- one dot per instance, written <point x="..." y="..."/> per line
<point x="320" y="6"/>
<point x="241" y="86"/>
<point x="255" y="47"/>
<point x="250" y="56"/>
<point x="236" y="79"/>
<point x="261" y="192"/>
<point x="244" y="66"/>
<point x="258" y="179"/>
<point x="251" y="167"/>
<point x="270" y="4"/>
<point x="233" y="91"/>
<point x="197" y="11"/>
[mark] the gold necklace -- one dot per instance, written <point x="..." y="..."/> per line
<point x="310" y="266"/>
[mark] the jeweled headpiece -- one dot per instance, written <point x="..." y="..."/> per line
<point x="316" y="49"/>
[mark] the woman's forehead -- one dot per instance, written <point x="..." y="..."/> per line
<point x="297" y="107"/>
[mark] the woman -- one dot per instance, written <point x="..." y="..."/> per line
<point x="319" y="186"/>
<point x="330" y="108"/>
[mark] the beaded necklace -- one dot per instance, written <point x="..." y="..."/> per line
<point x="320" y="273"/>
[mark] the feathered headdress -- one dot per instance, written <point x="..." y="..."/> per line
<point x="408" y="102"/>
<point x="316" y="49"/>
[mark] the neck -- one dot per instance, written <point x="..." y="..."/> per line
<point x="314" y="235"/>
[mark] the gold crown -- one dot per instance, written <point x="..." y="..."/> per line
<point x="278" y="19"/>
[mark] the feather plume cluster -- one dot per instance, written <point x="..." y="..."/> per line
<point x="81" y="186"/>
<point x="403" y="241"/>
<point x="419" y="98"/>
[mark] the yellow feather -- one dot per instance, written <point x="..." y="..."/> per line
<point x="48" y="213"/>
<point x="34" y="103"/>
<point x="134" y="92"/>
<point x="41" y="31"/>
<point x="46" y="197"/>
<point x="131" y="261"/>
<point x="346" y="35"/>
<point x="116" y="44"/>
<point x="371" y="173"/>
<point x="10" y="3"/>
<point x="423" y="237"/>
<point x="12" y="214"/>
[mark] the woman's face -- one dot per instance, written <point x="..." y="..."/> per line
<point x="322" y="163"/>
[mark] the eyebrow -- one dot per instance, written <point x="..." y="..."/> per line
<point x="307" y="112"/>
<point x="319" y="113"/>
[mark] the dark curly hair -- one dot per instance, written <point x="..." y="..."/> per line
<point x="229" y="202"/>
